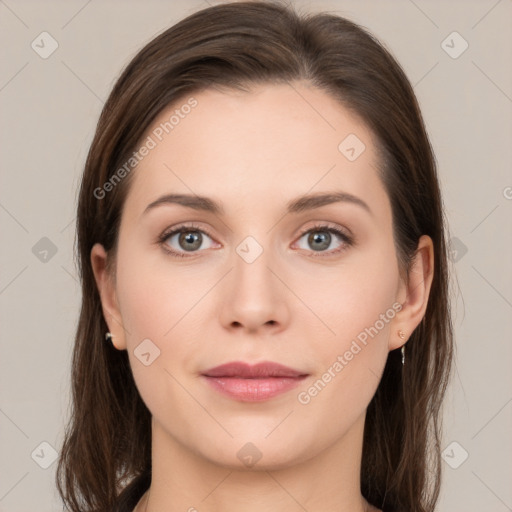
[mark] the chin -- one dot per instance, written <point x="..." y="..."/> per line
<point x="255" y="454"/>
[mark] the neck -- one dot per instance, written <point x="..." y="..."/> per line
<point x="184" y="480"/>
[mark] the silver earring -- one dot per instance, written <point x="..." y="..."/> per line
<point x="401" y="334"/>
<point x="109" y="336"/>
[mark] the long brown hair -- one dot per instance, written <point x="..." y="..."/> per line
<point x="105" y="461"/>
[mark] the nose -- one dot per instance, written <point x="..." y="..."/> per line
<point x="254" y="299"/>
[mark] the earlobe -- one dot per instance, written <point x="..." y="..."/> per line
<point x="107" y="292"/>
<point x="416" y="291"/>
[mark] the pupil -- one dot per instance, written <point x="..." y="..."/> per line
<point x="324" y="238"/>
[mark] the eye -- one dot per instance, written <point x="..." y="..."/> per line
<point x="321" y="240"/>
<point x="185" y="239"/>
<point x="325" y="239"/>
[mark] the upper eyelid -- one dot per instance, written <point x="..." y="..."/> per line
<point x="327" y="226"/>
<point x="191" y="226"/>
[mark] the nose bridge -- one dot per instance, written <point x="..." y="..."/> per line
<point x="251" y="266"/>
<point x="254" y="298"/>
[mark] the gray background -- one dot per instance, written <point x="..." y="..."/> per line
<point x="49" y="111"/>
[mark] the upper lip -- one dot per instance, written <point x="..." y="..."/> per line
<point x="247" y="371"/>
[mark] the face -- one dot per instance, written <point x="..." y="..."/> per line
<point x="266" y="277"/>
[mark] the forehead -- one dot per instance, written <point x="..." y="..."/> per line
<point x="274" y="141"/>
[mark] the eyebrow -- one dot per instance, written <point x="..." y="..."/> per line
<point x="297" y="205"/>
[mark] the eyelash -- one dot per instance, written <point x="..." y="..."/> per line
<point x="346" y="239"/>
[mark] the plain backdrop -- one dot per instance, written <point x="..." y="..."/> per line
<point x="49" y="109"/>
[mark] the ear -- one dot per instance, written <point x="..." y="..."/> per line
<point x="106" y="288"/>
<point x="414" y="294"/>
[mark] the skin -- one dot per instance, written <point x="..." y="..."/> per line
<point x="254" y="152"/>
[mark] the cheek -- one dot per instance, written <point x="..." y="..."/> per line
<point x="354" y="297"/>
<point x="153" y="305"/>
<point x="154" y="294"/>
<point x="357" y="304"/>
<point x="160" y="305"/>
<point x="350" y="364"/>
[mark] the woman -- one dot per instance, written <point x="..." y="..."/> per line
<point x="260" y="235"/>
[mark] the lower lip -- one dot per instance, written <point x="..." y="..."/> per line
<point x="253" y="390"/>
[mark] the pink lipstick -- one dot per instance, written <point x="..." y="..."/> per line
<point x="253" y="383"/>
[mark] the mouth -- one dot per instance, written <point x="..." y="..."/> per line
<point x="253" y="383"/>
